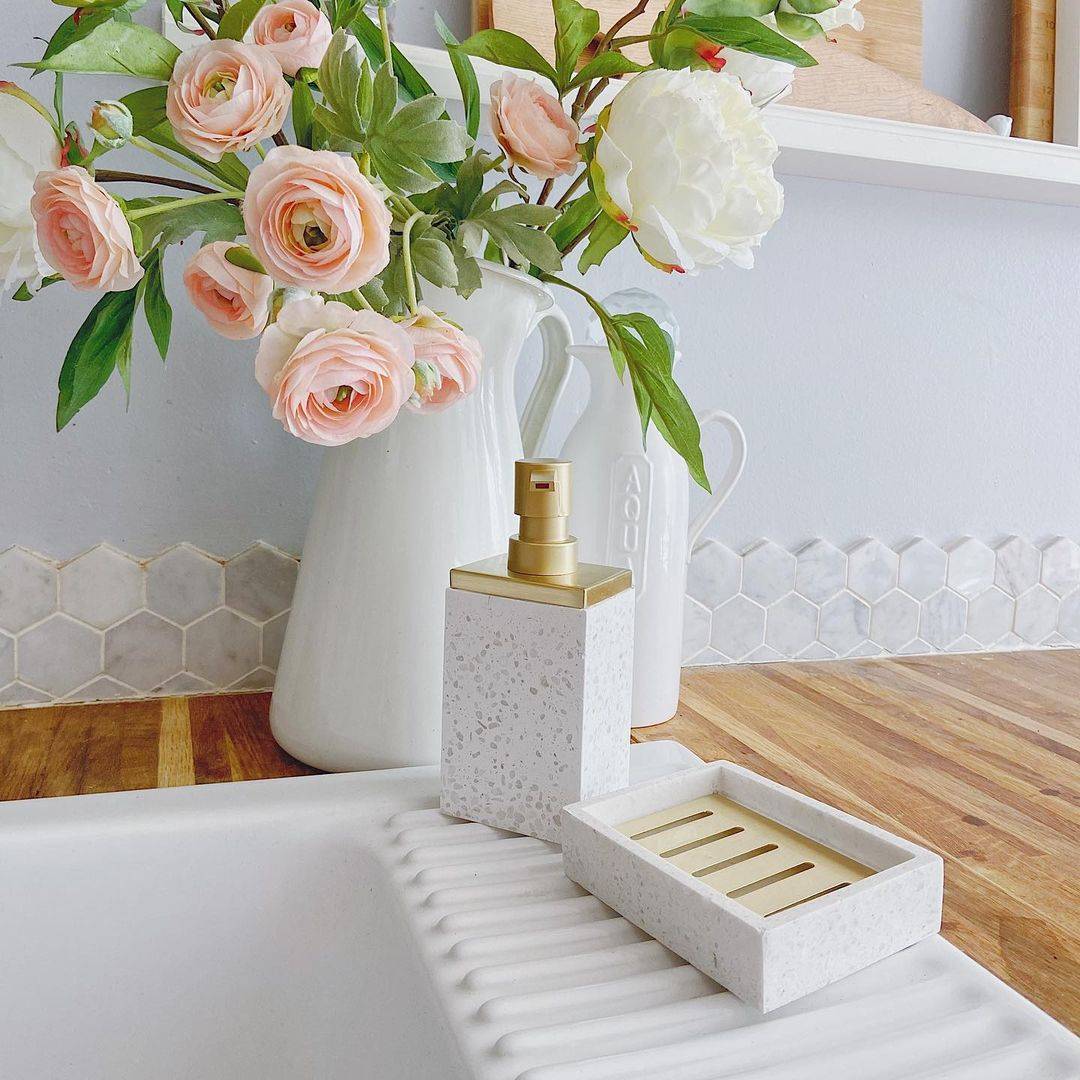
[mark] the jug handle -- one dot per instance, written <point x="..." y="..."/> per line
<point x="557" y="337"/>
<point x="731" y="478"/>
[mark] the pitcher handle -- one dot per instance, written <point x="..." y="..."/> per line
<point x="731" y="478"/>
<point x="557" y="337"/>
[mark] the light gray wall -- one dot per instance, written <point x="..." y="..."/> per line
<point x="966" y="47"/>
<point x="903" y="362"/>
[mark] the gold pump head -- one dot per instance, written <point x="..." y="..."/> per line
<point x="542" y="564"/>
<point x="543" y="546"/>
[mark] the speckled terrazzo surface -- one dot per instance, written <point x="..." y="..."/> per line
<point x="536" y="707"/>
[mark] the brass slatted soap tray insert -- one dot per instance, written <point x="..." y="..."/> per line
<point x="767" y="867"/>
<point x="770" y="893"/>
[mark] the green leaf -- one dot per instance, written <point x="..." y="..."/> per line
<point x="413" y="84"/>
<point x="468" y="271"/>
<point x="466" y="76"/>
<point x="509" y="50"/>
<point x="156" y="304"/>
<point x="235" y="22"/>
<point x="341" y="80"/>
<point x="23" y="292"/>
<point x="230" y="168"/>
<point x="606" y="65"/>
<point x="576" y="216"/>
<point x="147" y="108"/>
<point x="434" y="261"/>
<point x="812" y="7"/>
<point x="403" y="145"/>
<point x="799" y="27"/>
<point x="637" y="344"/>
<point x="244" y="257"/>
<point x="575" y="28"/>
<point x="512" y="230"/>
<point x="606" y="236"/>
<point x="115" y="47"/>
<point x="72" y="30"/>
<point x="649" y="358"/>
<point x="747" y="35"/>
<point x="303" y="114"/>
<point x="343" y="13"/>
<point x="727" y="8"/>
<point x="216" y="220"/>
<point x="102" y="344"/>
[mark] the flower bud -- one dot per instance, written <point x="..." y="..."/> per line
<point x="111" y="124"/>
<point x="428" y="381"/>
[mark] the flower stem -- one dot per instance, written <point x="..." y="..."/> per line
<point x="629" y="17"/>
<point x="260" y="151"/>
<point x="545" y="192"/>
<point x="593" y="94"/>
<point x="58" y="100"/>
<point x="201" y="19"/>
<point x="196" y="200"/>
<point x="568" y="194"/>
<point x="361" y="299"/>
<point x="176" y="162"/>
<point x="580" y="236"/>
<point x="384" y="26"/>
<point x="109" y="176"/>
<point x="406" y="254"/>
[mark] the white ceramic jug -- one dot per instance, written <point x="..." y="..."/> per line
<point x="632" y="508"/>
<point x="360" y="680"/>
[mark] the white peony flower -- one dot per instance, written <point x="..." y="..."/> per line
<point x="684" y="160"/>
<point x="28" y="145"/>
<point x="764" y="79"/>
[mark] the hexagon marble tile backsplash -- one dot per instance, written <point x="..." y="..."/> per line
<point x="106" y="625"/>
<point x="821" y="603"/>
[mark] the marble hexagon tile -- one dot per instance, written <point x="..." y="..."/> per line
<point x="108" y="625"/>
<point x="822" y="602"/>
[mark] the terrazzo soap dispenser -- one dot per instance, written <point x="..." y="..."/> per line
<point x="538" y="670"/>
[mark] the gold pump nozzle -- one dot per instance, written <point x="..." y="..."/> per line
<point x="543" y="546"/>
<point x="542" y="564"/>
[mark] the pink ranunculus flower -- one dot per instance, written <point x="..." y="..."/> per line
<point x="296" y="32"/>
<point x="454" y="354"/>
<point x="82" y="232"/>
<point x="226" y="96"/>
<point x="334" y="374"/>
<point x="235" y="300"/>
<point x="315" y="221"/>
<point x="533" y="128"/>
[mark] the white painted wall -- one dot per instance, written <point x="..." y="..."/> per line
<point x="966" y="45"/>
<point x="903" y="362"/>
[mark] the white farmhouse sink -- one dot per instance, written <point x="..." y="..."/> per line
<point x="339" y="927"/>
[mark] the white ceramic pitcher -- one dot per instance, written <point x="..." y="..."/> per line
<point x="359" y="685"/>
<point x="632" y="508"/>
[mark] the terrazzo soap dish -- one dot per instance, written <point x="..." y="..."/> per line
<point x="770" y="893"/>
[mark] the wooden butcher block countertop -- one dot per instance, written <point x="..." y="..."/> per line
<point x="976" y="757"/>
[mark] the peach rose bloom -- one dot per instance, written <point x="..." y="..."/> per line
<point x="314" y="220"/>
<point x="454" y="354"/>
<point x="295" y="32"/>
<point x="235" y="300"/>
<point x="226" y="96"/>
<point x="82" y="232"/>
<point x="533" y="128"/>
<point x="334" y="374"/>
